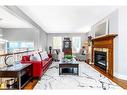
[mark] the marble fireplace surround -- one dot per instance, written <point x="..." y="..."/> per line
<point x="105" y="43"/>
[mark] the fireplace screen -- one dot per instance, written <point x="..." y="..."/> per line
<point x="100" y="59"/>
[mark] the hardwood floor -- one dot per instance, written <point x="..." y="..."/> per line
<point x="120" y="82"/>
<point x="31" y="85"/>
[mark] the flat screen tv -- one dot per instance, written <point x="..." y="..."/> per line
<point x="101" y="28"/>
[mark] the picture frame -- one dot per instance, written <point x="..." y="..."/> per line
<point x="101" y="28"/>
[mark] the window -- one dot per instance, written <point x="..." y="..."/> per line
<point x="76" y="44"/>
<point x="12" y="45"/>
<point x="19" y="46"/>
<point x="28" y="45"/>
<point x="57" y="43"/>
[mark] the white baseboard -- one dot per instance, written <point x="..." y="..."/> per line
<point x="124" y="77"/>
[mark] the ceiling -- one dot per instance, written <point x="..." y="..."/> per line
<point x="8" y="20"/>
<point x="66" y="19"/>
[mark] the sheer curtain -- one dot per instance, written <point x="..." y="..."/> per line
<point x="76" y="44"/>
<point x="57" y="43"/>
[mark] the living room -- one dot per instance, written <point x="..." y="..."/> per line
<point x="66" y="47"/>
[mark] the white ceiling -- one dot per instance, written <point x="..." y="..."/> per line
<point x="8" y="20"/>
<point x="57" y="19"/>
<point x="63" y="19"/>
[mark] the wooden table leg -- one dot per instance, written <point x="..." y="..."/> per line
<point x="59" y="71"/>
<point x="77" y="70"/>
<point x="31" y="72"/>
<point x="73" y="70"/>
<point x="18" y="81"/>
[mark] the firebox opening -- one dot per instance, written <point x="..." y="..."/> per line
<point x="100" y="59"/>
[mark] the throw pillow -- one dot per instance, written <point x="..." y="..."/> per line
<point x="36" y="57"/>
<point x="45" y="54"/>
<point x="31" y="57"/>
<point x="26" y="58"/>
<point x="42" y="55"/>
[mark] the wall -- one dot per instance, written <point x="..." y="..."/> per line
<point x="113" y="28"/>
<point x="122" y="47"/>
<point x="19" y="34"/>
<point x="27" y="35"/>
<point x="43" y="40"/>
<point x="1" y="33"/>
<point x="51" y="35"/>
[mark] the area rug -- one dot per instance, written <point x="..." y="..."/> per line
<point x="88" y="78"/>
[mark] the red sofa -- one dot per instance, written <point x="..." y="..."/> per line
<point x="39" y="67"/>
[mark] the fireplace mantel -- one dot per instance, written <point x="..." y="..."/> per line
<point x="105" y="42"/>
<point x="110" y="36"/>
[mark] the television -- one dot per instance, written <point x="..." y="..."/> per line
<point x="101" y="28"/>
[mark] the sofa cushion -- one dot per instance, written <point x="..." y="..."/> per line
<point x="44" y="55"/>
<point x="35" y="57"/>
<point x="31" y="57"/>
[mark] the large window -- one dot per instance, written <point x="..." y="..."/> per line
<point x="57" y="43"/>
<point x="29" y="45"/>
<point x="19" y="46"/>
<point x="76" y="44"/>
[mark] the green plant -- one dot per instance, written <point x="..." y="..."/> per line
<point x="68" y="56"/>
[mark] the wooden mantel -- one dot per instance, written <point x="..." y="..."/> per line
<point x="105" y="42"/>
<point x="105" y="37"/>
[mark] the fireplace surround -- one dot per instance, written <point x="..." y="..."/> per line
<point x="107" y="42"/>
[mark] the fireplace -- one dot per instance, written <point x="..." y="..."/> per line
<point x="100" y="59"/>
<point x="108" y="43"/>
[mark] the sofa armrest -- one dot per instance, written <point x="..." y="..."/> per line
<point x="37" y="68"/>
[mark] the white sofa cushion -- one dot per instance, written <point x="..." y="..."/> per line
<point x="44" y="55"/>
<point x="35" y="57"/>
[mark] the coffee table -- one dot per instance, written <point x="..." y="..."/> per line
<point x="68" y="67"/>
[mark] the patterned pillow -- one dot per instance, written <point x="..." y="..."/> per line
<point x="44" y="55"/>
